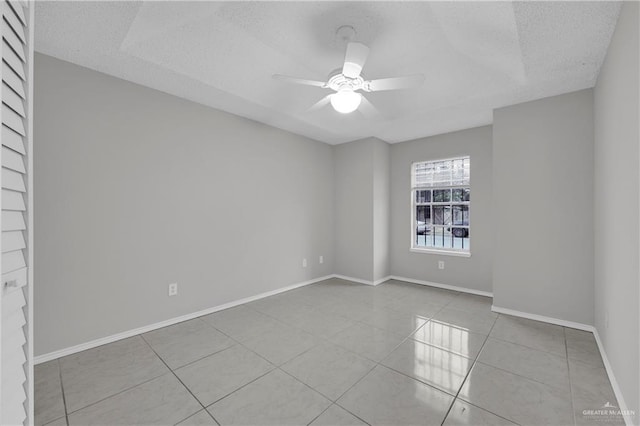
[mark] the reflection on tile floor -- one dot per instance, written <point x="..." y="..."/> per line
<point x="336" y="353"/>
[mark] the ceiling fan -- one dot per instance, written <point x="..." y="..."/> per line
<point x="346" y="83"/>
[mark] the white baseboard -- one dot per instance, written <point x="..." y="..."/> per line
<point x="355" y="280"/>
<point x="622" y="405"/>
<point x="542" y="318"/>
<point x="443" y="286"/>
<point x="361" y="281"/>
<point x="136" y="331"/>
<point x="382" y="280"/>
<point x="585" y="327"/>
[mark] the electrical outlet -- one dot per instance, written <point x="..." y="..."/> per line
<point x="304" y="263"/>
<point x="173" y="289"/>
<point x="321" y="260"/>
<point x="440" y="264"/>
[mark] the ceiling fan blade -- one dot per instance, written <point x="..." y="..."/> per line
<point x="354" y="59"/>
<point x="320" y="104"/>
<point x="296" y="80"/>
<point x="368" y="110"/>
<point x="394" y="83"/>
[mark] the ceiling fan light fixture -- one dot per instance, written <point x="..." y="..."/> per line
<point x="346" y="101"/>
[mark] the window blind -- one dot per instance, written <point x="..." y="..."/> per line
<point x="451" y="172"/>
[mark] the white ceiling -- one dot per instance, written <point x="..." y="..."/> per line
<point x="476" y="56"/>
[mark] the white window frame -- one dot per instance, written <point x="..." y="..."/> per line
<point x="433" y="250"/>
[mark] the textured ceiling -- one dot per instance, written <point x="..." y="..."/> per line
<point x="476" y="56"/>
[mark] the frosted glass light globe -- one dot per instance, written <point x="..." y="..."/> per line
<point x="346" y="101"/>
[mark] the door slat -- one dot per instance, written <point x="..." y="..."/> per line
<point x="13" y="180"/>
<point x="13" y="41"/>
<point x="12" y="100"/>
<point x="12" y="140"/>
<point x="12" y="221"/>
<point x="14" y="81"/>
<point x="12" y="241"/>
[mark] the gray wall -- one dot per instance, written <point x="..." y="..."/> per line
<point x="353" y="209"/>
<point x="361" y="185"/>
<point x="381" y="207"/>
<point x="543" y="207"/>
<point x="136" y="189"/>
<point x="473" y="272"/>
<point x="617" y="233"/>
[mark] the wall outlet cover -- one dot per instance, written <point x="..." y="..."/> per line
<point x="173" y="289"/>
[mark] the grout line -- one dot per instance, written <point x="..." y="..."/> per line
<point x="278" y="367"/>
<point x="239" y="343"/>
<point x="180" y="380"/>
<point x="169" y="368"/>
<point x="475" y="361"/>
<point x="484" y="409"/>
<point x="351" y="387"/>
<point x="119" y="392"/>
<point x="529" y="347"/>
<point x="321" y="413"/>
<point x="64" y="398"/>
<point x="379" y="363"/>
<point x="207" y="356"/>
<point x="275" y="367"/>
<point x="191" y="415"/>
<point x="308" y="386"/>
<point x="520" y="375"/>
<point x="375" y="363"/>
<point x="480" y="362"/>
<point x="353" y="414"/>
<point x="566" y="348"/>
<point x="430" y="384"/>
<point x="241" y="387"/>
<point x="427" y="319"/>
<point x="272" y="316"/>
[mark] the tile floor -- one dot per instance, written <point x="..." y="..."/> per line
<point x="335" y="353"/>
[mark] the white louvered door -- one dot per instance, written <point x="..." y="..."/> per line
<point x="16" y="370"/>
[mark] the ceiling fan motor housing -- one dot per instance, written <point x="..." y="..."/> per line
<point x="338" y="81"/>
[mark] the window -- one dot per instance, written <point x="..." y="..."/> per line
<point x="441" y="197"/>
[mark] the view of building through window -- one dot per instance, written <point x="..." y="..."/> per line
<point x="440" y="204"/>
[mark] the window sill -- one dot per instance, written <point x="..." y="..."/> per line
<point x="440" y="252"/>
